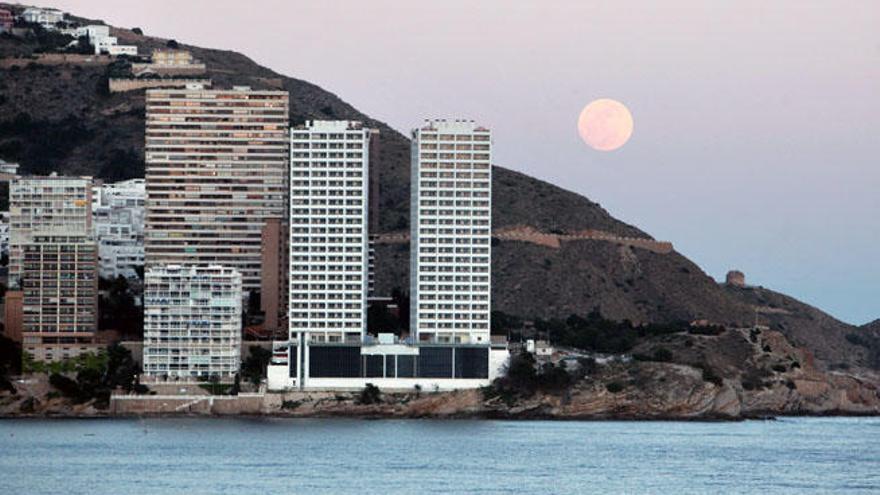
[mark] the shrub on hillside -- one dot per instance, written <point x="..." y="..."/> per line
<point x="68" y="388"/>
<point x="615" y="387"/>
<point x="370" y="395"/>
<point x="710" y="376"/>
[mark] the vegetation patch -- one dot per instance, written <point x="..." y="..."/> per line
<point x="370" y="395"/>
<point x="524" y="378"/>
<point x="97" y="375"/>
<point x="615" y="387"/>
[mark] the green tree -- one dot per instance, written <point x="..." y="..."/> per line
<point x="253" y="369"/>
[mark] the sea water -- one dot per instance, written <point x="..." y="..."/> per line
<point x="279" y="456"/>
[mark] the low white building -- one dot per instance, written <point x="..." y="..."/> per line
<point x="192" y="322"/>
<point x="100" y="39"/>
<point x="92" y="31"/>
<point x="386" y="363"/>
<point x="47" y="18"/>
<point x="8" y="170"/>
<point x="539" y="347"/>
<point x="118" y="217"/>
<point x="130" y="50"/>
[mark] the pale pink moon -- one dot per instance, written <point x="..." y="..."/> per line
<point x="605" y="124"/>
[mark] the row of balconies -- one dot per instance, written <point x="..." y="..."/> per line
<point x="454" y="137"/>
<point x="457" y="156"/>
<point x="309" y="173"/>
<point x="433" y="165"/>
<point x="453" y="146"/>
<point x="466" y="260"/>
<point x="453" y="288"/>
<point x="481" y="316"/>
<point x="322" y="287"/>
<point x="333" y="216"/>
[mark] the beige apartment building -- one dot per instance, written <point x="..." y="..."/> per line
<point x="53" y="259"/>
<point x="46" y="204"/>
<point x="60" y="285"/>
<point x="216" y="168"/>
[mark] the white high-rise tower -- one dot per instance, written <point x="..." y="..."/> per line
<point x="329" y="164"/>
<point x="450" y="226"/>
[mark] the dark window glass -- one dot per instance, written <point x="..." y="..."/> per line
<point x="374" y="365"/>
<point x="334" y="361"/>
<point x="406" y="366"/>
<point x="389" y="366"/>
<point x="471" y="362"/>
<point x="435" y="362"/>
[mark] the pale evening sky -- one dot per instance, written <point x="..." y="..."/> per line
<point x="757" y="124"/>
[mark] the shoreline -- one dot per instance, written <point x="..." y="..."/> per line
<point x="487" y="416"/>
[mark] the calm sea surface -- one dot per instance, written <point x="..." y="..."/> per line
<point x="194" y="456"/>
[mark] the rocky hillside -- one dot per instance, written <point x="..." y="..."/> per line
<point x="61" y="118"/>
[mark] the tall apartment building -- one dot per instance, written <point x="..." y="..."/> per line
<point x="216" y="168"/>
<point x="192" y="322"/>
<point x="59" y="282"/>
<point x="46" y="205"/>
<point x="451" y="218"/>
<point x="118" y="217"/>
<point x="53" y="259"/>
<point x="450" y="224"/>
<point x="329" y="177"/>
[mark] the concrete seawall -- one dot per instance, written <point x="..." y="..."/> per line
<point x="133" y="405"/>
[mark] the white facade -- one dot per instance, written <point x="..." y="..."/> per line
<point x="192" y="322"/>
<point x="278" y="376"/>
<point x="4" y="232"/>
<point x="102" y="42"/>
<point x="450" y="225"/>
<point x="8" y="168"/>
<point x="47" y="18"/>
<point x="122" y="50"/>
<point x="329" y="256"/>
<point x="118" y="217"/>
<point x="46" y="205"/>
<point x="216" y="168"/>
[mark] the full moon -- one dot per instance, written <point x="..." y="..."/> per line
<point x="605" y="124"/>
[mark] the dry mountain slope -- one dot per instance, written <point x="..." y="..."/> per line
<point x="58" y="118"/>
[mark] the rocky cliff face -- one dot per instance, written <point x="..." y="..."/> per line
<point x="734" y="375"/>
<point x="60" y="117"/>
